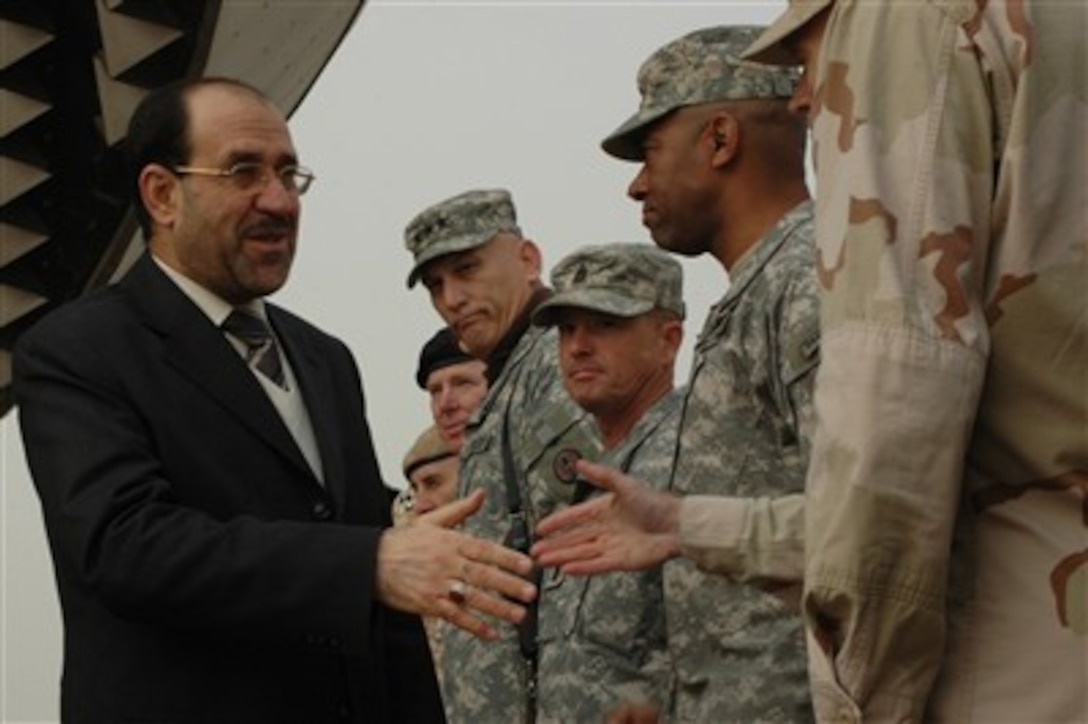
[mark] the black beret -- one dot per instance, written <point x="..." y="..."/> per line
<point x="440" y="351"/>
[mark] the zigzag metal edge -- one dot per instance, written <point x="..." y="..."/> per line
<point x="71" y="73"/>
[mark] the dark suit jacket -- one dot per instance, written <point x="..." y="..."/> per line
<point x="204" y="573"/>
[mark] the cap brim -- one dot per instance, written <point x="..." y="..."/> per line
<point x="449" y="246"/>
<point x="594" y="300"/>
<point x="417" y="464"/>
<point x="625" y="143"/>
<point x="768" y="48"/>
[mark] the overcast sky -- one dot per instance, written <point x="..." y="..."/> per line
<point x="422" y="101"/>
<point x="425" y="100"/>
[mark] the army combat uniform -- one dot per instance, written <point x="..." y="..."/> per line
<point x="602" y="638"/>
<point x="745" y="433"/>
<point x="512" y="441"/>
<point x="738" y="649"/>
<point x="489" y="680"/>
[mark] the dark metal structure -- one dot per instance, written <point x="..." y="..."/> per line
<point x="71" y="72"/>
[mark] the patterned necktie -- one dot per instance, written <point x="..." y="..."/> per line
<point x="261" y="349"/>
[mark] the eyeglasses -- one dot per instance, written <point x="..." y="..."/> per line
<point x="253" y="176"/>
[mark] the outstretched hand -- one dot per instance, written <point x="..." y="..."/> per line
<point x="631" y="527"/>
<point x="425" y="567"/>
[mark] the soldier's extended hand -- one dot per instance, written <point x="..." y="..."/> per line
<point x="425" y="567"/>
<point x="631" y="528"/>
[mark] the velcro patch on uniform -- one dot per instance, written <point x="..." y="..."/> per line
<point x="801" y="357"/>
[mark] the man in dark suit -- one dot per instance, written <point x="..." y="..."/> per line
<point x="218" y="527"/>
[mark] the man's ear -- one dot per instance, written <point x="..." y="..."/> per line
<point x="531" y="257"/>
<point x="159" y="192"/>
<point x="673" y="335"/>
<point x="724" y="130"/>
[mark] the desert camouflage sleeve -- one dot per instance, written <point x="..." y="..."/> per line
<point x="749" y="539"/>
<point x="904" y="134"/>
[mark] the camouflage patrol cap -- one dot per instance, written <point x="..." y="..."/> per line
<point x="700" y="67"/>
<point x="768" y="47"/>
<point x="459" y="223"/>
<point x="428" y="447"/>
<point x="624" y="280"/>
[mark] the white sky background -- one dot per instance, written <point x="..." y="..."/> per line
<point x="423" y="100"/>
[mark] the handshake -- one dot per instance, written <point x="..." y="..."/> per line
<point x="428" y="568"/>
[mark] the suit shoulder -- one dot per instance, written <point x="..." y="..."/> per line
<point x="290" y="323"/>
<point x="89" y="316"/>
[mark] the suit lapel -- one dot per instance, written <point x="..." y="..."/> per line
<point x="194" y="347"/>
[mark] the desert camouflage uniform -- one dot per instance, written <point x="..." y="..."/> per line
<point x="486" y="681"/>
<point x="602" y="638"/>
<point x="759" y="540"/>
<point x="953" y="257"/>
<point x="739" y="652"/>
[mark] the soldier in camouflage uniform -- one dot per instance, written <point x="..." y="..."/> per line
<point x="952" y="159"/>
<point x="619" y="310"/>
<point x="483" y="277"/>
<point x="723" y="173"/>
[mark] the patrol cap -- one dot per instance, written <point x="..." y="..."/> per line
<point x="624" y="280"/>
<point x="459" y="223"/>
<point x="768" y="47"/>
<point x="428" y="447"/>
<point x="441" y="350"/>
<point x="701" y="67"/>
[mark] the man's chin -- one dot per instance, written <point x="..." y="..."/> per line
<point x="266" y="287"/>
<point x="453" y="435"/>
<point x="269" y="278"/>
<point x="476" y="345"/>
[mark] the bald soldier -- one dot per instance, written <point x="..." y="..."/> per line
<point x="722" y="173"/>
<point x="484" y="279"/>
<point x="619" y="310"/>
